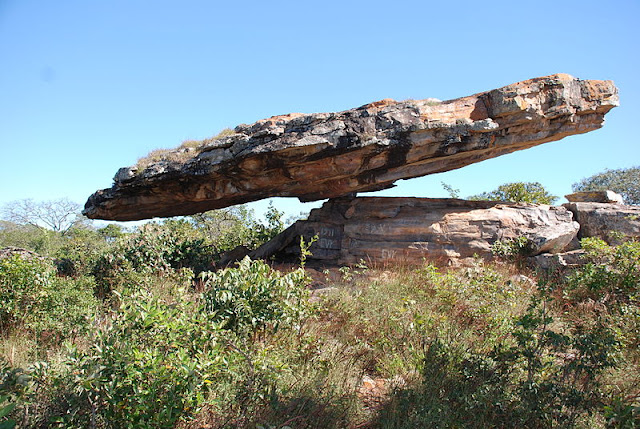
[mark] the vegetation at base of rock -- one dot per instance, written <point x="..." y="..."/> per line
<point x="511" y="249"/>
<point x="624" y="181"/>
<point x="518" y="192"/>
<point x="116" y="329"/>
<point x="253" y="298"/>
<point x="473" y="347"/>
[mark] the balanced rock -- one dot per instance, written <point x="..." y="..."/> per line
<point x="595" y="197"/>
<point x="329" y="155"/>
<point x="408" y="230"/>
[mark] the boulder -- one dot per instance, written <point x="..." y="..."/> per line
<point x="558" y="262"/>
<point x="595" y="197"/>
<point x="408" y="230"/>
<point x="611" y="222"/>
<point x="329" y="155"/>
<point x="11" y="251"/>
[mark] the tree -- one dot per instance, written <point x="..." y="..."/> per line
<point x="453" y="192"/>
<point x="625" y="181"/>
<point x="111" y="232"/>
<point x="518" y="192"/>
<point x="58" y="215"/>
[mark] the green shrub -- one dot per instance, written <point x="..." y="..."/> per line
<point x="33" y="298"/>
<point x="537" y="377"/>
<point x="518" y="192"/>
<point x="134" y="261"/>
<point x="612" y="273"/>
<point x="155" y="363"/>
<point x="511" y="249"/>
<point x="78" y="253"/>
<point x="22" y="281"/>
<point x="253" y="297"/>
<point x="228" y="228"/>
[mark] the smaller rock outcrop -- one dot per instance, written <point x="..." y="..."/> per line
<point x="611" y="222"/>
<point x="595" y="197"/>
<point x="554" y="262"/>
<point x="410" y="230"/>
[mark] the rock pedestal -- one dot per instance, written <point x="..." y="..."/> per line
<point x="409" y="230"/>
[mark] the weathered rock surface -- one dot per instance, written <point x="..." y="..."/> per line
<point x="554" y="262"/>
<point x="328" y="155"/>
<point x="406" y="230"/>
<point x="595" y="197"/>
<point x="611" y="222"/>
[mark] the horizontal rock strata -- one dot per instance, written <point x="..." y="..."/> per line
<point x="328" y="155"/>
<point x="407" y="230"/>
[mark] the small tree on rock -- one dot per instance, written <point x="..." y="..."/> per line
<point x="518" y="192"/>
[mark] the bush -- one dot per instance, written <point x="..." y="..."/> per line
<point x="611" y="275"/>
<point x="33" y="298"/>
<point x="160" y="363"/>
<point x="512" y="249"/>
<point x="518" y="192"/>
<point x="21" y="282"/>
<point x="154" y="364"/>
<point x="134" y="261"/>
<point x="254" y="298"/>
<point x="228" y="228"/>
<point x="78" y="253"/>
<point x="537" y="377"/>
<point x="195" y="242"/>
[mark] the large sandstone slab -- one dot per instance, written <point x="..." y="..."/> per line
<point x="407" y="230"/>
<point x="328" y="155"/>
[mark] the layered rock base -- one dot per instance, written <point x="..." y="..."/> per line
<point x="381" y="230"/>
<point x="409" y="230"/>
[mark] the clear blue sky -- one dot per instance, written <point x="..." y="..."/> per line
<point x="87" y="87"/>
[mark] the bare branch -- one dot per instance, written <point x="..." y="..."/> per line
<point x="58" y="215"/>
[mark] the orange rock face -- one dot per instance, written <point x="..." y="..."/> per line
<point x="329" y="155"/>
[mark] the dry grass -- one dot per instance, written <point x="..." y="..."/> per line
<point x="368" y="353"/>
<point x="186" y="151"/>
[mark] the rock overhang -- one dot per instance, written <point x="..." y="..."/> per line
<point x="329" y="155"/>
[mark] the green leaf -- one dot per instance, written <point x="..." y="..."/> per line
<point x="6" y="410"/>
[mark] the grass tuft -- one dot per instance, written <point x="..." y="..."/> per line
<point x="187" y="150"/>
